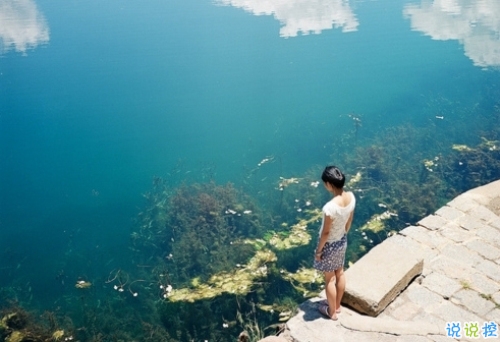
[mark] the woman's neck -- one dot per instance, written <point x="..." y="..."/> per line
<point x="337" y="191"/>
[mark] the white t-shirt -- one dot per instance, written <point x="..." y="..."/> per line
<point x="339" y="215"/>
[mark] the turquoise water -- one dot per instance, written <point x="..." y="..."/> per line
<point x="97" y="97"/>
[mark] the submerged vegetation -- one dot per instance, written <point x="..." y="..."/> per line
<point x="208" y="261"/>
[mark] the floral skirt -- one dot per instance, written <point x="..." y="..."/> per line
<point x="333" y="256"/>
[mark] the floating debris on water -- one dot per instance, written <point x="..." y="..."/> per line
<point x="266" y="160"/>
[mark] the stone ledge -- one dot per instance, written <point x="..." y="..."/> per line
<point x="377" y="278"/>
<point x="389" y="326"/>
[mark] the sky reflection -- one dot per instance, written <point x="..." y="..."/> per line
<point x="22" y="26"/>
<point x="475" y="24"/>
<point x="302" y="16"/>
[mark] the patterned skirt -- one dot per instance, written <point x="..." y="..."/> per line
<point x="333" y="256"/>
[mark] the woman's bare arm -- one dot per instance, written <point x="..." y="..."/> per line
<point x="327" y="223"/>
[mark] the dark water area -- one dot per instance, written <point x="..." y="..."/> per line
<point x="99" y="98"/>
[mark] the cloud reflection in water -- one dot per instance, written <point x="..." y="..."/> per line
<point x="301" y="16"/>
<point x="475" y="24"/>
<point x="22" y="26"/>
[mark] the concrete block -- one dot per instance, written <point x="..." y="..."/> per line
<point x="379" y="276"/>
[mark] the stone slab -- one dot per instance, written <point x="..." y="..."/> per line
<point x="389" y="326"/>
<point x="473" y="301"/>
<point x="450" y="213"/>
<point x="470" y="223"/>
<point x="441" y="284"/>
<point x="484" y="194"/>
<point x="433" y="222"/>
<point x="463" y="202"/>
<point x="454" y="232"/>
<point x="494" y="205"/>
<point x="380" y="275"/>
<point x="484" y="214"/>
<point x="484" y="249"/>
<point x="423" y="235"/>
<point x="489" y="269"/>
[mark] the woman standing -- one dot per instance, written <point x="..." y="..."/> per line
<point x="330" y="253"/>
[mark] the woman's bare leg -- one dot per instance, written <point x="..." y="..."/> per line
<point x="331" y="293"/>
<point x="339" y="288"/>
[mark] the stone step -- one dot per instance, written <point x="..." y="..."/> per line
<point x="379" y="276"/>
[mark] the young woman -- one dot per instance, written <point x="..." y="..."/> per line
<point x="330" y="253"/>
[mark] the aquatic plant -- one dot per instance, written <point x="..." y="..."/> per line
<point x="297" y="235"/>
<point x="305" y="280"/>
<point x="17" y="325"/>
<point x="193" y="229"/>
<point x="238" y="282"/>
<point x="376" y="222"/>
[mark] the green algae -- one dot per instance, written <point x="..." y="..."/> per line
<point x="298" y="234"/>
<point x="461" y="148"/>
<point x="376" y="223"/>
<point x="305" y="280"/>
<point x="236" y="282"/>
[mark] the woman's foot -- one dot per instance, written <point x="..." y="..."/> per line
<point x="324" y="311"/>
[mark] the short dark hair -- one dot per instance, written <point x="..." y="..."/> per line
<point x="334" y="176"/>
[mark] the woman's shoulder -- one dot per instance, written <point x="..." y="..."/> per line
<point x="353" y="198"/>
<point x="345" y="201"/>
